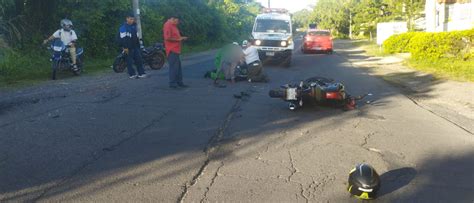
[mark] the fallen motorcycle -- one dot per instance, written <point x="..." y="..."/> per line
<point x="318" y="90"/>
<point x="153" y="56"/>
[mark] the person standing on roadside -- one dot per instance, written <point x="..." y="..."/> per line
<point x="130" y="44"/>
<point x="173" y="39"/>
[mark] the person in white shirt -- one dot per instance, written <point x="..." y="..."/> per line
<point x="254" y="65"/>
<point x="67" y="35"/>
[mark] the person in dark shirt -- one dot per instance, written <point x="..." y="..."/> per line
<point x="130" y="44"/>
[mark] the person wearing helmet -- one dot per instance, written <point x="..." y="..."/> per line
<point x="68" y="36"/>
<point x="254" y="65"/>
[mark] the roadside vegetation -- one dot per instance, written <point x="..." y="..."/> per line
<point x="25" y="24"/>
<point x="446" y="54"/>
<point x="358" y="17"/>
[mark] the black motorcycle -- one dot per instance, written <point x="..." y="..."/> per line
<point x="316" y="90"/>
<point x="61" y="59"/>
<point x="153" y="56"/>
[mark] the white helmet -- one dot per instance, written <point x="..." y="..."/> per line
<point x="235" y="43"/>
<point x="66" y="24"/>
<point x="245" y="43"/>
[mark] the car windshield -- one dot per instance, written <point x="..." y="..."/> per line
<point x="279" y="26"/>
<point x="319" y="33"/>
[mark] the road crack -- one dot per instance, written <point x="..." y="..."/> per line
<point x="293" y="168"/>
<point x="96" y="156"/>
<point x="213" y="145"/>
<point x="213" y="180"/>
<point x="366" y="141"/>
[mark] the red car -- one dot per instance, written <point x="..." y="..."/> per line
<point x="317" y="41"/>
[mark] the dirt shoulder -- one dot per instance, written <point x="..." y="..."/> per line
<point x="451" y="100"/>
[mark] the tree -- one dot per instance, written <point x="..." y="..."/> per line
<point x="333" y="15"/>
<point x="301" y="19"/>
<point x="25" y="23"/>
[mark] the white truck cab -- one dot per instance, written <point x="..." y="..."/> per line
<point x="272" y="35"/>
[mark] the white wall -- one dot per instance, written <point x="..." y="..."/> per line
<point x="462" y="17"/>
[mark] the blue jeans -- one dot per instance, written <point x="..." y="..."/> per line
<point x="176" y="72"/>
<point x="134" y="56"/>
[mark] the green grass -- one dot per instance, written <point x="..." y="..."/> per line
<point x="18" y="70"/>
<point x="370" y="47"/>
<point x="454" y="69"/>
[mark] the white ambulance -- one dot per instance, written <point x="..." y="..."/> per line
<point x="273" y="36"/>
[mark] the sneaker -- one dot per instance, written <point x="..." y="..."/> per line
<point x="75" y="68"/>
<point x="142" y="76"/>
<point x="133" y="77"/>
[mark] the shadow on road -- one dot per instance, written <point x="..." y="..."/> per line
<point x="396" y="179"/>
<point x="439" y="179"/>
<point x="174" y="140"/>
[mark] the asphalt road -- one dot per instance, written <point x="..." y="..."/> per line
<point x="111" y="139"/>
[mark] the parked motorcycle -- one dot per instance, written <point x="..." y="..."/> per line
<point x="318" y="90"/>
<point x="61" y="59"/>
<point x="153" y="56"/>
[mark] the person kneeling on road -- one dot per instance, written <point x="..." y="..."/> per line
<point x="254" y="65"/>
<point x="231" y="56"/>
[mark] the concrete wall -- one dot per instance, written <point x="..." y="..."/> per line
<point x="448" y="17"/>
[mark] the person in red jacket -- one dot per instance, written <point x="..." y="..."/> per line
<point x="173" y="39"/>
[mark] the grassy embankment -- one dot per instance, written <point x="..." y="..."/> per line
<point x="447" y="68"/>
<point x="17" y="70"/>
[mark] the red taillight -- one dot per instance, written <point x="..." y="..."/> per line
<point x="334" y="95"/>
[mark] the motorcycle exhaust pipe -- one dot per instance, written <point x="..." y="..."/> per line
<point x="277" y="94"/>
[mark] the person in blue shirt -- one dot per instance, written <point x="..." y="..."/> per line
<point x="130" y="44"/>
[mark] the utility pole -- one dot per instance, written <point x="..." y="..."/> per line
<point x="269" y="4"/>
<point x="136" y="12"/>
<point x="350" y="24"/>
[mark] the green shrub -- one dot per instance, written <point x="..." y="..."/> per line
<point x="398" y="43"/>
<point x="434" y="46"/>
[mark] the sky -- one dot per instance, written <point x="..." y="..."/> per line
<point x="292" y="5"/>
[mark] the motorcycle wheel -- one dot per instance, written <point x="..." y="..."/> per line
<point x="119" y="65"/>
<point x="157" y="61"/>
<point x="55" y="65"/>
<point x="280" y="93"/>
